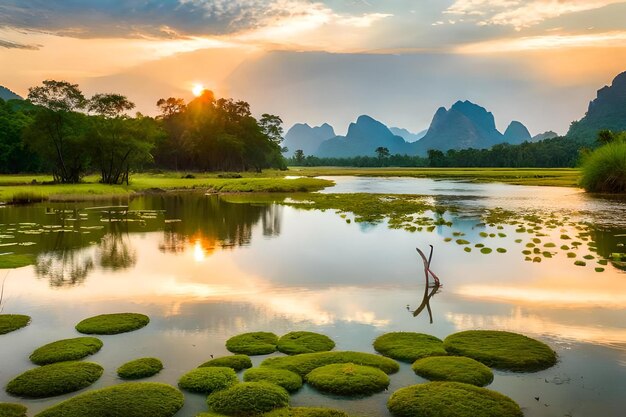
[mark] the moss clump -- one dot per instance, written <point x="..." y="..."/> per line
<point x="462" y="242"/>
<point x="282" y="377"/>
<point x="236" y="362"/>
<point x="502" y="350"/>
<point x="12" y="410"/>
<point x="451" y="399"/>
<point x="113" y="323"/>
<point x="408" y="347"/>
<point x="580" y="263"/>
<point x="295" y="343"/>
<point x="501" y="250"/>
<point x="486" y="251"/>
<point x="11" y="322"/>
<point x="453" y="368"/>
<point x="305" y="412"/>
<point x="56" y="379"/>
<point x="208" y="379"/>
<point x="256" y="343"/>
<point x="66" y="350"/>
<point x="131" y="399"/>
<point x="305" y="363"/>
<point x="248" y="398"/>
<point x="348" y="379"/>
<point x="140" y="368"/>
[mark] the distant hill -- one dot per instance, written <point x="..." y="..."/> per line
<point x="307" y="138"/>
<point x="543" y="136"/>
<point x="363" y="137"/>
<point x="406" y="135"/>
<point x="607" y="111"/>
<point x="6" y="94"/>
<point x="516" y="133"/>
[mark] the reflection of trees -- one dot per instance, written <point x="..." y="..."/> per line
<point x="115" y="252"/>
<point x="609" y="241"/>
<point x="64" y="268"/>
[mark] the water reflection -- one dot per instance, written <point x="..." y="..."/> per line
<point x="64" y="268"/>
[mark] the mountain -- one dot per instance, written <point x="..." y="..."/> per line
<point x="545" y="135"/>
<point x="607" y="111"/>
<point x="516" y="133"/>
<point x="406" y="135"/>
<point x="465" y="125"/>
<point x="6" y="94"/>
<point x="302" y="136"/>
<point x="363" y="137"/>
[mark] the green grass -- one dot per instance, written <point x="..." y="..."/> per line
<point x="66" y="350"/>
<point x="113" y="323"/>
<point x="255" y="343"/>
<point x="348" y="379"/>
<point x="236" y="362"/>
<point x="12" y="410"/>
<point x="453" y="368"/>
<point x="305" y="412"/>
<point x="131" y="399"/>
<point x="15" y="260"/>
<point x="248" y="399"/>
<point x="451" y="399"/>
<point x="140" y="368"/>
<point x="55" y="379"/>
<point x="207" y="380"/>
<point x="306" y="362"/>
<point x="12" y="322"/>
<point x="408" y="346"/>
<point x="295" y="343"/>
<point x="281" y="377"/>
<point x="502" y="350"/>
<point x="604" y="171"/>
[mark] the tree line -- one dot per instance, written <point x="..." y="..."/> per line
<point x="58" y="130"/>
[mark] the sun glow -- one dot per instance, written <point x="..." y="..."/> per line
<point x="197" y="90"/>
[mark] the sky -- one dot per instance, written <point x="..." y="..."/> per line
<point x="536" y="61"/>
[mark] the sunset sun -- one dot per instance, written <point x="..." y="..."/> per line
<point x="197" y="90"/>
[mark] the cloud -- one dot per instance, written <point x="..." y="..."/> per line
<point x="14" y="45"/>
<point x="521" y="13"/>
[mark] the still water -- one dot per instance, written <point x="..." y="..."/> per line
<point x="205" y="268"/>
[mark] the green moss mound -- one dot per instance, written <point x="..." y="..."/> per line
<point x="305" y="363"/>
<point x="453" y="368"/>
<point x="348" y="379"/>
<point x="255" y="343"/>
<point x="295" y="343"/>
<point x="502" y="350"/>
<point x="12" y="410"/>
<point x="140" y="368"/>
<point x="408" y="347"/>
<point x="451" y="399"/>
<point x="236" y="362"/>
<point x="66" y="350"/>
<point x="208" y="379"/>
<point x="131" y="399"/>
<point x="305" y="412"/>
<point x="248" y="398"/>
<point x="290" y="381"/>
<point x="56" y="379"/>
<point x="11" y="322"/>
<point x="113" y="323"/>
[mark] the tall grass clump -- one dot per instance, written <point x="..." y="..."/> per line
<point x="604" y="170"/>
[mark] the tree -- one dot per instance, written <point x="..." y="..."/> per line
<point x="299" y="156"/>
<point x="606" y="136"/>
<point x="436" y="158"/>
<point x="272" y="127"/>
<point x="382" y="152"/>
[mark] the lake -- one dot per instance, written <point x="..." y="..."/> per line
<point x="208" y="267"/>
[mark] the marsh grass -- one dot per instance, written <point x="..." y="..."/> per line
<point x="140" y="368"/>
<point x="281" y="377"/>
<point x="453" y="368"/>
<point x="348" y="379"/>
<point x="306" y="362"/>
<point x="604" y="170"/>
<point x="55" y="379"/>
<point x="408" y="346"/>
<point x="248" y="399"/>
<point x="66" y="350"/>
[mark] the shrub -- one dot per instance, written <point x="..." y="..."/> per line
<point x="305" y="363"/>
<point x="12" y="410"/>
<point x="207" y="380"/>
<point x="256" y="343"/>
<point x="348" y="379"/>
<point x="282" y="377"/>
<point x="66" y="350"/>
<point x="295" y="343"/>
<point x="113" y="323"/>
<point x="248" y="398"/>
<point x="236" y="362"/>
<point x="604" y="170"/>
<point x="140" y="368"/>
<point x="131" y="399"/>
<point x="12" y="322"/>
<point x="453" y="368"/>
<point x="56" y="379"/>
<point x="408" y="347"/>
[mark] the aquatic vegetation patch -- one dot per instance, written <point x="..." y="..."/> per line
<point x="580" y="263"/>
<point x="290" y="381"/>
<point x="248" y="398"/>
<point x="451" y="399"/>
<point x="236" y="362"/>
<point x="486" y="251"/>
<point x="130" y="399"/>
<point x="66" y="350"/>
<point x="208" y="379"/>
<point x="12" y="322"/>
<point x="113" y="323"/>
<point x="502" y="350"/>
<point x="348" y="379"/>
<point x="140" y="368"/>
<point x="55" y="379"/>
<point x="12" y="410"/>
<point x="255" y="343"/>
<point x="306" y="412"/>
<point x="453" y="368"/>
<point x="295" y="343"/>
<point x="306" y="362"/>
<point x="16" y="260"/>
<point x="408" y="346"/>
